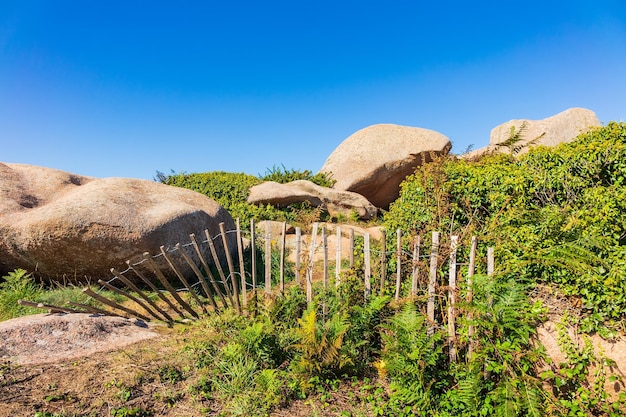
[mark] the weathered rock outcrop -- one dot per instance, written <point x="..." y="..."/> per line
<point x="65" y="225"/>
<point x="552" y="131"/>
<point x="335" y="201"/>
<point x="374" y="161"/>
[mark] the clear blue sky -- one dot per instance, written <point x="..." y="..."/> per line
<point x="126" y="88"/>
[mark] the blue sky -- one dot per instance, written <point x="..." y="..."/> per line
<point x="126" y="88"/>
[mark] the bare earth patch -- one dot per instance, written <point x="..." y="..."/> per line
<point x="49" y="338"/>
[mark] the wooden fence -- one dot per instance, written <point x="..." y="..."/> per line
<point x="211" y="283"/>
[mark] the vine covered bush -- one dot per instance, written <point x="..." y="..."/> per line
<point x="231" y="191"/>
<point x="556" y="216"/>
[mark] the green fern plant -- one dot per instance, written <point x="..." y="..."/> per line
<point x="18" y="285"/>
<point x="516" y="141"/>
<point x="320" y="345"/>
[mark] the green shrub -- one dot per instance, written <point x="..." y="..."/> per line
<point x="282" y="175"/>
<point x="556" y="216"/>
<point x="18" y="285"/>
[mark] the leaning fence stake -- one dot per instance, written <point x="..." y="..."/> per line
<point x="113" y="304"/>
<point x="242" y="267"/>
<point x="129" y="296"/>
<point x="218" y="265"/>
<point x="133" y="287"/>
<point x="231" y="267"/>
<point x="155" y="289"/>
<point x="201" y="279"/>
<point x="205" y="265"/>
<point x="181" y="277"/>
<point x="167" y="285"/>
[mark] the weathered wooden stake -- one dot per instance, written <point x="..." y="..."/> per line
<point x="113" y="304"/>
<point x="167" y="285"/>
<point x="325" y="253"/>
<point x="298" y="253"/>
<point x="268" y="260"/>
<point x="452" y="299"/>
<point x="367" y="265"/>
<point x="93" y="310"/>
<point x="351" y="243"/>
<point x="338" y="258"/>
<point x="415" y="271"/>
<point x="383" y="262"/>
<point x="242" y="267"/>
<point x="432" y="281"/>
<point x="205" y="265"/>
<point x="309" y="274"/>
<point x="253" y="267"/>
<point x="231" y="268"/>
<point x="182" y="278"/>
<point x="155" y="289"/>
<point x="133" y="287"/>
<point x="49" y="307"/>
<point x="398" y="262"/>
<point x="129" y="296"/>
<point x="283" y="242"/>
<point x="491" y="261"/>
<point x="470" y="293"/>
<point x="201" y="279"/>
<point x="218" y="266"/>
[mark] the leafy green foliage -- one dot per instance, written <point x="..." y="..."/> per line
<point x="17" y="285"/>
<point x="231" y="191"/>
<point x="556" y="216"/>
<point x="282" y="175"/>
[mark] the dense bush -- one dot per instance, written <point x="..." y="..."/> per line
<point x="556" y="216"/>
<point x="231" y="191"/>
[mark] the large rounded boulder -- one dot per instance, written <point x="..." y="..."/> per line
<point x="375" y="160"/>
<point x="67" y="226"/>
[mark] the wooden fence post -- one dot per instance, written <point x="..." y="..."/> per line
<point x="415" y="271"/>
<point x="432" y="281"/>
<point x="338" y="258"/>
<point x="133" y="287"/>
<point x="205" y="265"/>
<point x="231" y="268"/>
<point x="283" y="237"/>
<point x="367" y="264"/>
<point x="253" y="266"/>
<point x="298" y="253"/>
<point x="383" y="262"/>
<point x="168" y="286"/>
<point x="470" y="293"/>
<point x="351" y="242"/>
<point x="242" y="267"/>
<point x="309" y="274"/>
<point x="398" y="262"/>
<point x="218" y="266"/>
<point x="268" y="260"/>
<point x="491" y="261"/>
<point x="181" y="277"/>
<point x="155" y="289"/>
<point x="325" y="252"/>
<point x="452" y="298"/>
